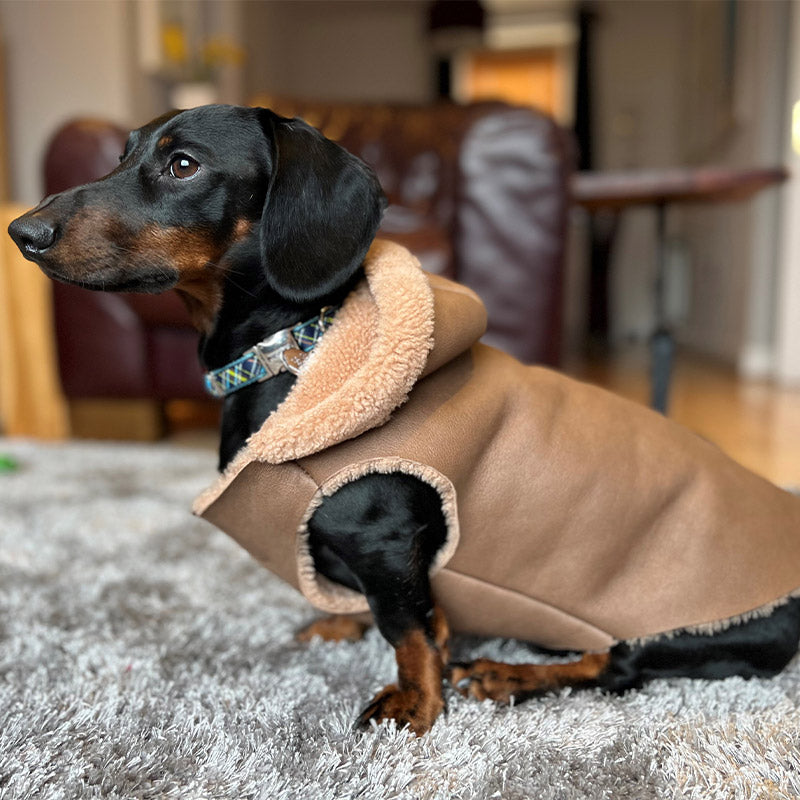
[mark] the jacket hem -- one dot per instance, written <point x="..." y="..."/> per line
<point x="717" y="626"/>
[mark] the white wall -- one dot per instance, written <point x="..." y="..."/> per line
<point x="63" y="59"/>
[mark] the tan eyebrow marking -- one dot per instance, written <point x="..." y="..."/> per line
<point x="242" y="229"/>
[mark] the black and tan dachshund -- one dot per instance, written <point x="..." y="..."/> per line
<point x="259" y="221"/>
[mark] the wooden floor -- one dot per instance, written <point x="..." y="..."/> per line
<point x="755" y="422"/>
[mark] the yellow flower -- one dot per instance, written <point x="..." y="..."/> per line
<point x="173" y="40"/>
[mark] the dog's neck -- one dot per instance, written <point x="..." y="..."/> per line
<point x="249" y="312"/>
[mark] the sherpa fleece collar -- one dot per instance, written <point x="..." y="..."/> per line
<point x="381" y="342"/>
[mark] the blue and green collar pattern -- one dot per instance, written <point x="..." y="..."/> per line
<point x="283" y="351"/>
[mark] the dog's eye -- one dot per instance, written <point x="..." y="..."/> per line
<point x="183" y="167"/>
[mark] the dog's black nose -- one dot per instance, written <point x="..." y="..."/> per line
<point x="32" y="234"/>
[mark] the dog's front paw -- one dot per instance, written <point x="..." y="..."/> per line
<point x="412" y="707"/>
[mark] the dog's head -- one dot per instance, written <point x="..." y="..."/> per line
<point x="198" y="191"/>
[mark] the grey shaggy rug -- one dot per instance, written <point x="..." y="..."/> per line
<point x="144" y="655"/>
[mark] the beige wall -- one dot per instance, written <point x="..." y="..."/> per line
<point x="63" y="59"/>
<point x="788" y="303"/>
<point x="659" y="75"/>
<point x="68" y="58"/>
<point x="637" y="78"/>
<point x="653" y="70"/>
<point x="735" y="258"/>
<point x="345" y="50"/>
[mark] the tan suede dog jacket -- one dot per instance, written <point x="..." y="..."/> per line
<point x="575" y="518"/>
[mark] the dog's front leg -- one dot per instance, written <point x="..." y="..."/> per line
<point x="416" y="699"/>
<point x="378" y="535"/>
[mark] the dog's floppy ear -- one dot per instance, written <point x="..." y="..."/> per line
<point x="322" y="210"/>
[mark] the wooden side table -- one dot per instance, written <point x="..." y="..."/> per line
<point x="615" y="191"/>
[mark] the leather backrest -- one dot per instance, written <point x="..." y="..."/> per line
<point x="81" y="151"/>
<point x="479" y="192"/>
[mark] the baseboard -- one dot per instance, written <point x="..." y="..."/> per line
<point x="756" y="362"/>
<point x="130" y="420"/>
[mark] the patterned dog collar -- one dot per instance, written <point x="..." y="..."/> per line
<point x="283" y="351"/>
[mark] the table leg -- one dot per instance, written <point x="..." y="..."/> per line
<point x="603" y="226"/>
<point x="662" y="343"/>
<point x="662" y="351"/>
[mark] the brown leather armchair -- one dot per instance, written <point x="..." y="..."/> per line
<point x="478" y="192"/>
